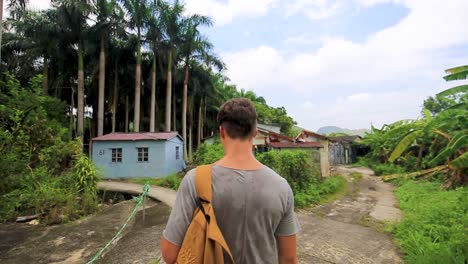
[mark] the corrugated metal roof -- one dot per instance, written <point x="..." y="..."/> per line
<point x="295" y="144"/>
<point x="313" y="134"/>
<point x="136" y="136"/>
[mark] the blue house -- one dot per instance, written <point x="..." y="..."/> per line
<point x="133" y="155"/>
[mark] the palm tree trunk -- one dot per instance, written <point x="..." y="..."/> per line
<point x="102" y="83"/>
<point x="174" y="121"/>
<point x="190" y="134"/>
<point x="199" y="123"/>
<point x="45" y="80"/>
<point x="126" y="113"/>
<point x="168" y="93"/>
<point x="153" y="95"/>
<point x="136" y="113"/>
<point x="116" y="96"/>
<point x="80" y="106"/>
<point x="184" y="110"/>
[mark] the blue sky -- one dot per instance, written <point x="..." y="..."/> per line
<point x="347" y="63"/>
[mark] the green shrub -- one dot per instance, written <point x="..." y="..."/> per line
<point x="57" y="198"/>
<point x="435" y="224"/>
<point x="294" y="165"/>
<point x="303" y="175"/>
<point x="207" y="154"/>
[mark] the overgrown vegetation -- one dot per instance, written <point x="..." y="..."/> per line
<point x="440" y="138"/>
<point x="435" y="224"/>
<point x="43" y="171"/>
<point x="297" y="166"/>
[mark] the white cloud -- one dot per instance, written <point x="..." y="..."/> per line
<point x="359" y="110"/>
<point x="223" y="12"/>
<point x="409" y="56"/>
<point x="315" y="9"/>
<point x="244" y="67"/>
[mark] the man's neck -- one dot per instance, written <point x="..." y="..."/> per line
<point x="239" y="155"/>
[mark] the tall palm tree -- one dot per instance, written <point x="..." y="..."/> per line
<point x="108" y="15"/>
<point x="138" y="13"/>
<point x="154" y="38"/>
<point x="36" y="35"/>
<point x="73" y="15"/>
<point x="195" y="49"/>
<point x="172" y="20"/>
<point x="14" y="6"/>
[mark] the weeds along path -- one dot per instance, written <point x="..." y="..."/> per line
<point x="349" y="230"/>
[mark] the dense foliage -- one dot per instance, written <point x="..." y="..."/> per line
<point x="42" y="169"/>
<point x="434" y="227"/>
<point x="439" y="138"/>
<point x="298" y="167"/>
<point x="303" y="175"/>
<point x="140" y="65"/>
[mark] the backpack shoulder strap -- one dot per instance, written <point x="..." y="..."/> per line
<point x="203" y="182"/>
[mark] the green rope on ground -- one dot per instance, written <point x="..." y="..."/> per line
<point x="139" y="200"/>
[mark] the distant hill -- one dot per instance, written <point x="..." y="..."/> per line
<point x="334" y="129"/>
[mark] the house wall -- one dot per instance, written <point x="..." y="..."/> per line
<point x="324" y="154"/>
<point x="174" y="165"/>
<point x="324" y="158"/>
<point x="159" y="163"/>
<point x="338" y="153"/>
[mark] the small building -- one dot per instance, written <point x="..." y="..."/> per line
<point x="309" y="136"/>
<point x="134" y="155"/>
<point x="343" y="149"/>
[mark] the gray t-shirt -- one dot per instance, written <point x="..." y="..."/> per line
<point x="251" y="208"/>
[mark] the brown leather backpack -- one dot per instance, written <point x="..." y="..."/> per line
<point x="203" y="241"/>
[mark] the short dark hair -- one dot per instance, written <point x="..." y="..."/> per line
<point x="239" y="118"/>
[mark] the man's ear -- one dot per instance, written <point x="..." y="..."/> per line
<point x="222" y="132"/>
<point x="255" y="133"/>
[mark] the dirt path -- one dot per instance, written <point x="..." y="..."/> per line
<point x="339" y="232"/>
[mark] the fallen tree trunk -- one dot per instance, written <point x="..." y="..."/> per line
<point x="27" y="218"/>
<point x="416" y="174"/>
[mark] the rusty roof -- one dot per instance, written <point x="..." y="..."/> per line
<point x="313" y="134"/>
<point x="295" y="144"/>
<point x="137" y="136"/>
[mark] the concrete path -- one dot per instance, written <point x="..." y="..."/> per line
<point x="164" y="195"/>
<point x="346" y="231"/>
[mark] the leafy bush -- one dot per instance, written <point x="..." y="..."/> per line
<point x="42" y="171"/>
<point x="434" y="227"/>
<point x="303" y="175"/>
<point x="294" y="165"/>
<point x="56" y="198"/>
<point x="207" y="154"/>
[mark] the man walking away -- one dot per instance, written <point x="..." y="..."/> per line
<point x="253" y="205"/>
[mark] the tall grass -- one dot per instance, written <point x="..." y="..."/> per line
<point x="435" y="224"/>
